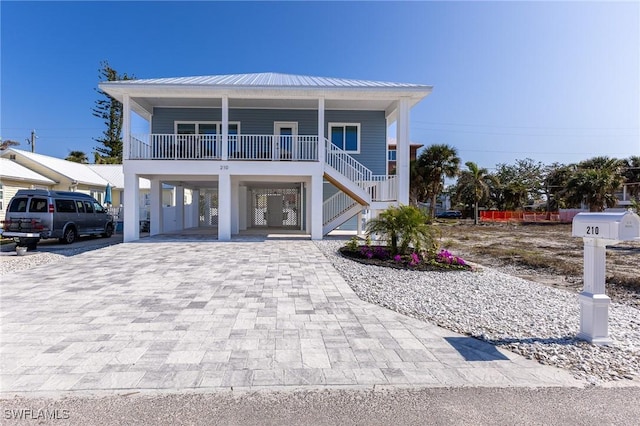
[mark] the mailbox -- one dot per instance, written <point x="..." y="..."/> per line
<point x="623" y="226"/>
<point x="597" y="231"/>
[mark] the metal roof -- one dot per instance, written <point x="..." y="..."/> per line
<point x="275" y="80"/>
<point x="9" y="169"/>
<point x="74" y="171"/>
<point x="114" y="173"/>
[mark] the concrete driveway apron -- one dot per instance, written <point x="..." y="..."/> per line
<point x="169" y="314"/>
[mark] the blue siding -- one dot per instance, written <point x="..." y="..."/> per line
<point x="373" y="138"/>
<point x="164" y="118"/>
<point x="252" y="121"/>
<point x="260" y="121"/>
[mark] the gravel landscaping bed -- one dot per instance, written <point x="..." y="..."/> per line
<point x="536" y="321"/>
<point x="10" y="262"/>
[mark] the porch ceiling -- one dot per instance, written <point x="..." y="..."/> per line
<point x="148" y="103"/>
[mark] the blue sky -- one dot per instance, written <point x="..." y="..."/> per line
<point x="548" y="81"/>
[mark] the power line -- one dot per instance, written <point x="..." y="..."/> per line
<point x="524" y="134"/>
<point x="524" y="127"/>
<point x="538" y="152"/>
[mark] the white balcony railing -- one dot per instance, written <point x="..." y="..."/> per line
<point x="383" y="188"/>
<point x="347" y="166"/>
<point x="209" y="147"/>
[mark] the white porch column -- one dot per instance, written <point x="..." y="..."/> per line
<point x="179" y="202"/>
<point x="195" y="211"/>
<point x="224" y="207"/>
<point x="306" y="196"/>
<point x="225" y="128"/>
<point x="131" y="225"/>
<point x="402" y="151"/>
<point x="156" y="207"/>
<point x="321" y="146"/>
<point x="242" y="208"/>
<point x="316" y="206"/>
<point x="235" y="207"/>
<point x="126" y="127"/>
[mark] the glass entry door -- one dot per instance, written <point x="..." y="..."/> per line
<point x="286" y="133"/>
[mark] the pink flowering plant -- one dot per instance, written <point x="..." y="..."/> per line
<point x="406" y="240"/>
<point x="449" y="259"/>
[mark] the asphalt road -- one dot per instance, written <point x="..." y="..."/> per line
<point x="391" y="406"/>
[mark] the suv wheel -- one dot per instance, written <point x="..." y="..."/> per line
<point x="108" y="232"/>
<point x="69" y="235"/>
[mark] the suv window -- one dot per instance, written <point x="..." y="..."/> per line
<point x="80" y="206"/>
<point x="89" y="206"/>
<point x="18" y="205"/>
<point x="98" y="208"/>
<point x="38" y="205"/>
<point x="65" y="206"/>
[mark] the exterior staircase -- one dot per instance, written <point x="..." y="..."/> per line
<point x="358" y="186"/>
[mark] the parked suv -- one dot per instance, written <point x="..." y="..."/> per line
<point x="450" y="214"/>
<point x="35" y="214"/>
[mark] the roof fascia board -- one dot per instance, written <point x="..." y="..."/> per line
<point x="204" y="91"/>
<point x="30" y="180"/>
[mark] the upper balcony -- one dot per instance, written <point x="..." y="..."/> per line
<point x="210" y="147"/>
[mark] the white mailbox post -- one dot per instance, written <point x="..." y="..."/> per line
<point x="598" y="230"/>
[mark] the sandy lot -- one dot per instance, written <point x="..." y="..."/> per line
<point x="545" y="253"/>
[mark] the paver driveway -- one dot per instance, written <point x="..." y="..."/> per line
<point x="171" y="313"/>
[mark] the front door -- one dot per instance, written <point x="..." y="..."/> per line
<point x="274" y="210"/>
<point x="285" y="141"/>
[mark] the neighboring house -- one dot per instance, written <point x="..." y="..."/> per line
<point x="27" y="170"/>
<point x="262" y="151"/>
<point x="624" y="195"/>
<point x="392" y="153"/>
<point x="14" y="177"/>
<point x="114" y="174"/>
<point x="67" y="175"/>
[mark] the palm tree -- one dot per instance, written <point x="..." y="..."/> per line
<point x="476" y="181"/>
<point x="403" y="226"/>
<point x="436" y="163"/>
<point x="595" y="182"/>
<point x="77" y="157"/>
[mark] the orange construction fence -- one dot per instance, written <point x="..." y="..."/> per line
<point x="519" y="216"/>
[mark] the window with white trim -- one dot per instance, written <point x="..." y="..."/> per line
<point x="205" y="127"/>
<point x="1" y="197"/>
<point x="392" y="154"/>
<point x="345" y="136"/>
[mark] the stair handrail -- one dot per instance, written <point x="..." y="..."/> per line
<point x="336" y="205"/>
<point x="346" y="165"/>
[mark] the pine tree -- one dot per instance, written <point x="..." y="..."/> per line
<point x="109" y="110"/>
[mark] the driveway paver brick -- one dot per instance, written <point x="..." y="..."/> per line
<point x="172" y="313"/>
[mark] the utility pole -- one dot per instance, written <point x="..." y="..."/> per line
<point x="32" y="141"/>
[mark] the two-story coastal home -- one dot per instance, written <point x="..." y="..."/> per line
<point x="265" y="150"/>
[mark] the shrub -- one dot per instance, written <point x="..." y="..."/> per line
<point x="353" y="244"/>
<point x="403" y="227"/>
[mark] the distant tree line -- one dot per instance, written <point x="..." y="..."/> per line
<point x="525" y="184"/>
